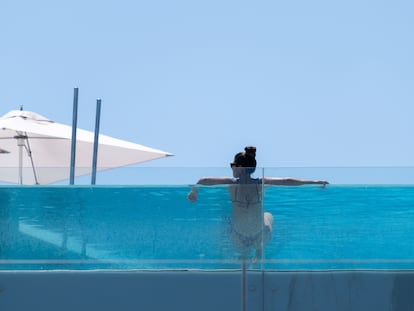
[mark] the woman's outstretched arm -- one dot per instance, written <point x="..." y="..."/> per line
<point x="291" y="181"/>
<point x="208" y="181"/>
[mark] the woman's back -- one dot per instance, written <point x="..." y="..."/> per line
<point x="247" y="207"/>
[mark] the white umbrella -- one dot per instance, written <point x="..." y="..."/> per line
<point x="36" y="150"/>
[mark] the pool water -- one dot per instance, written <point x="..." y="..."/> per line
<point x="156" y="227"/>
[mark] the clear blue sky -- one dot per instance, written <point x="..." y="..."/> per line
<point x="310" y="83"/>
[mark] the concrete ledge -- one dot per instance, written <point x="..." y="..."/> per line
<point x="206" y="290"/>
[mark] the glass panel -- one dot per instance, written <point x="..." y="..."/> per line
<point x="142" y="175"/>
<point x="136" y="227"/>
<point x="362" y="220"/>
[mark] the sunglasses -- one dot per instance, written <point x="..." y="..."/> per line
<point x="233" y="165"/>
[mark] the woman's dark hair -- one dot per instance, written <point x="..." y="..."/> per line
<point x="247" y="159"/>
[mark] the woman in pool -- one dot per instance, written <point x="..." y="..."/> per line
<point x="251" y="228"/>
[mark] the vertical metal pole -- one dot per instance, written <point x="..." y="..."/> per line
<point x="96" y="141"/>
<point x="244" y="287"/>
<point x="74" y="126"/>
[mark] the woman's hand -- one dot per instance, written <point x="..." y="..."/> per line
<point x="193" y="195"/>
<point x="323" y="183"/>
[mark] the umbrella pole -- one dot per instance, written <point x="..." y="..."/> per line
<point x="20" y="161"/>
<point x="73" y="146"/>
<point x="96" y="141"/>
<point x="21" y="139"/>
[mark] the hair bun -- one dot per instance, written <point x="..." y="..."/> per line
<point x="250" y="150"/>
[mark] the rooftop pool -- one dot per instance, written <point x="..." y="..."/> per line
<point x="143" y="246"/>
<point x="340" y="227"/>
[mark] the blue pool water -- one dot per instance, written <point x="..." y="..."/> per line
<point x="155" y="227"/>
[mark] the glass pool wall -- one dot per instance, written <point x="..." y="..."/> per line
<point x="142" y="220"/>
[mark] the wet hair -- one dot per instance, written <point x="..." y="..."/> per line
<point x="250" y="150"/>
<point x="247" y="159"/>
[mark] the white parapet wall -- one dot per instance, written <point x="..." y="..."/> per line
<point x="206" y="290"/>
